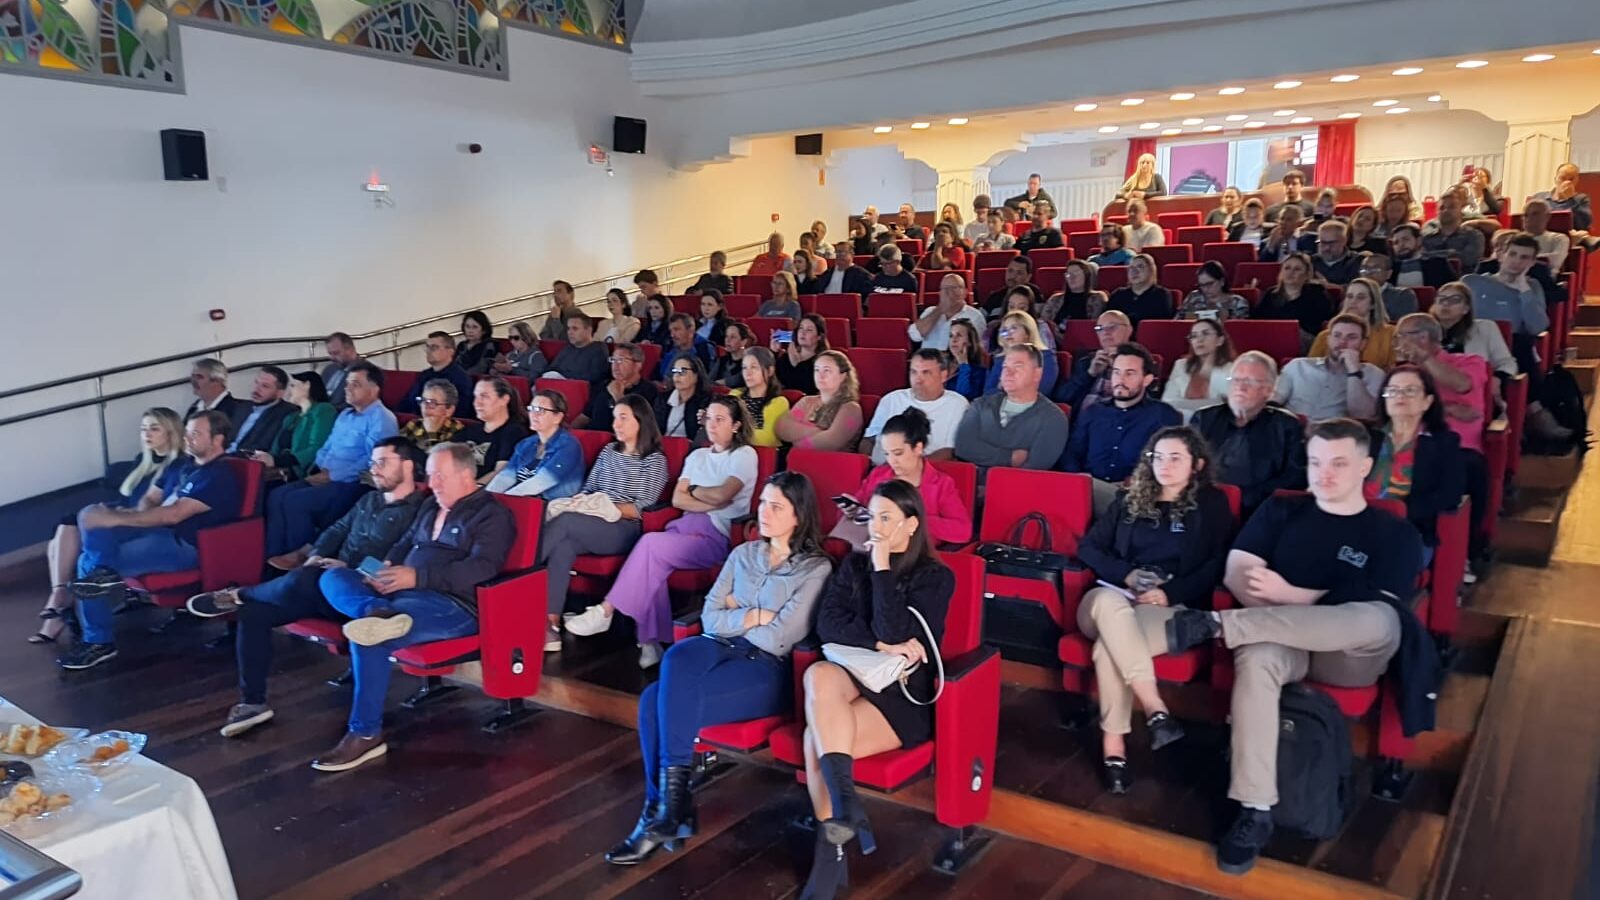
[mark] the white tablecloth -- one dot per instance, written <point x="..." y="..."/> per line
<point x="148" y="833"/>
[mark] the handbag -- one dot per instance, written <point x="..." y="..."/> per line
<point x="1016" y="559"/>
<point x="877" y="670"/>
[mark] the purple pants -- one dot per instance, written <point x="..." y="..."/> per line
<point x="640" y="591"/>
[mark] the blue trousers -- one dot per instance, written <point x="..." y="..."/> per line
<point x="291" y="596"/>
<point x="435" y="617"/>
<point x="129" y="551"/>
<point x="706" y="682"/>
<point x="298" y="512"/>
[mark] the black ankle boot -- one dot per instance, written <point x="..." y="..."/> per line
<point x="637" y="846"/>
<point x="849" y="816"/>
<point x="676" y="819"/>
<point x="830" y="874"/>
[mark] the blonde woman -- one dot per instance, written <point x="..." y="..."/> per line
<point x="1017" y="328"/>
<point x="785" y="301"/>
<point x="1363" y="298"/>
<point x="830" y="419"/>
<point x="1145" y="182"/>
<point x="161" y="444"/>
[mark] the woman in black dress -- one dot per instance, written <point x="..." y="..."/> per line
<point x="867" y="604"/>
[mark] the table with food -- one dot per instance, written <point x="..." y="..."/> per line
<point x="128" y="825"/>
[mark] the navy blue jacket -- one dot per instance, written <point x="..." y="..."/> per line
<point x="452" y="373"/>
<point x="1107" y="439"/>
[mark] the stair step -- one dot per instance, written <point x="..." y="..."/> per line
<point x="1527" y="533"/>
<point x="1551" y="473"/>
<point x="1588" y="314"/>
<point x="1584" y="371"/>
<point x="1587" y="340"/>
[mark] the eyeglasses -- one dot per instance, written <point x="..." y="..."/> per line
<point x="1402" y="393"/>
<point x="1155" y="457"/>
<point x="1249" y="382"/>
<point x="1207" y="283"/>
<point x="536" y="410"/>
<point x="435" y="403"/>
<point x="680" y="371"/>
<point x="519" y="339"/>
<point x="1102" y="329"/>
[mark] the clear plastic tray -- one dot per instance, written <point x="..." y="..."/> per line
<point x="80" y="754"/>
<point x="72" y="734"/>
<point x="79" y="787"/>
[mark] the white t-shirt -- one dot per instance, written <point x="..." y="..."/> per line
<point x="938" y="338"/>
<point x="707" y="468"/>
<point x="944" y="414"/>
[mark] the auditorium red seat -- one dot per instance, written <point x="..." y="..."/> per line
<point x="1116" y="220"/>
<point x="1277" y="338"/>
<point x="838" y="306"/>
<point x="1343" y="210"/>
<point x="760" y="285"/>
<point x="592" y="443"/>
<point x="1167" y="339"/>
<point x="863" y="259"/>
<point x="549" y="349"/>
<point x="1050" y="257"/>
<point x="396" y="387"/>
<point x="965" y="476"/>
<point x="686" y="304"/>
<point x="831" y="473"/>
<point x="764" y="326"/>
<point x="1198" y="236"/>
<point x="593" y="574"/>
<point x="879" y="371"/>
<point x="1084" y="244"/>
<point x="231" y="555"/>
<point x="742" y="306"/>
<point x="1229" y="253"/>
<point x="1049" y="280"/>
<point x="576" y="392"/>
<point x="1111" y="277"/>
<point x="838" y="331"/>
<point x="1560" y="220"/>
<point x="1181" y="276"/>
<point x="1078" y="337"/>
<point x="1176" y="220"/>
<point x="986" y="282"/>
<point x="1075" y="226"/>
<point x="1020" y="227"/>
<point x="520" y="385"/>
<point x="930" y="279"/>
<point x="912" y="246"/>
<point x="869" y="405"/>
<point x="1251" y="295"/>
<point x="1424" y="298"/>
<point x="888" y="334"/>
<point x="1449" y="564"/>
<point x="1170" y="254"/>
<point x="991" y="259"/>
<point x="892" y="306"/>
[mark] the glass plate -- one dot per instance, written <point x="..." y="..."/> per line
<point x="79" y="754"/>
<point x="80" y="787"/>
<point x="72" y="734"/>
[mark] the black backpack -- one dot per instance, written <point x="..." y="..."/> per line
<point x="1560" y="394"/>
<point x="1316" y="792"/>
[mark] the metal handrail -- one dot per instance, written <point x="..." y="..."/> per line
<point x="34" y="875"/>
<point x="394" y="329"/>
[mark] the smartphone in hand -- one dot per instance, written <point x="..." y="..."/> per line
<point x="783" y="337"/>
<point x="370" y="566"/>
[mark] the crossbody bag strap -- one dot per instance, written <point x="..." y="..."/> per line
<point x="938" y="662"/>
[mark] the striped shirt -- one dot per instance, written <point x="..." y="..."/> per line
<point x="628" y="479"/>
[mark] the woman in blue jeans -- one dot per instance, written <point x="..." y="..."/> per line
<point x="760" y="607"/>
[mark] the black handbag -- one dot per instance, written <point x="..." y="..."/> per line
<point x="1022" y="629"/>
<point x="1018" y="560"/>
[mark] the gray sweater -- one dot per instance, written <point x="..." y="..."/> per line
<point x="1041" y="429"/>
<point x="791" y="589"/>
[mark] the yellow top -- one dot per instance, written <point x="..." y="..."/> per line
<point x="774" y="409"/>
<point x="1379" y="350"/>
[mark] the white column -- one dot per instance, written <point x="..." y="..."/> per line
<point x="959" y="186"/>
<point x="1533" y="150"/>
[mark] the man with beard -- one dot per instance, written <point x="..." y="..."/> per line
<point x="1107" y="438"/>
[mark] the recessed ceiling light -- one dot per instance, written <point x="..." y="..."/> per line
<point x="1193" y="121"/>
<point x="920" y="125"/>
<point x="1286" y="85"/>
<point x="1255" y="124"/>
<point x="1231" y="91"/>
<point x="1397" y="110"/>
<point x="1595" y="51"/>
<point x="1349" y="115"/>
<point x="1132" y="101"/>
<point x="1384" y="102"/>
<point x="1169" y="132"/>
<point x="958" y="120"/>
<point x="1407" y="70"/>
<point x="1086" y="107"/>
<point x="1345" y="78"/>
<point x="1472" y="63"/>
<point x="1435" y="98"/>
<point x="1539" y="57"/>
<point x="1237" y="117"/>
<point x="1283" y="113"/>
<point x="1182" y="95"/>
<point x="1212" y="128"/>
<point x="1149" y="126"/>
<point x="883" y="129"/>
<point x="1108" y="129"/>
<point x="1300" y="120"/>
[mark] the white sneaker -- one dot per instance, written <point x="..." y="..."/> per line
<point x="649" y="655"/>
<point x="552" y="639"/>
<point x="374" y="630"/>
<point x="592" y="621"/>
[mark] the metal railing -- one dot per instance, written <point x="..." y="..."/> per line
<point x="33" y="875"/>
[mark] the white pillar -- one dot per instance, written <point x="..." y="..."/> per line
<point x="959" y="186"/>
<point x="1533" y="150"/>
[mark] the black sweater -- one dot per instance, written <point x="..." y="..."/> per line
<point x="1203" y="547"/>
<point x="861" y="607"/>
<point x="1277" y="449"/>
<point x="471" y="548"/>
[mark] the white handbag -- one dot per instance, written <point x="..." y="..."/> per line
<point x="877" y="670"/>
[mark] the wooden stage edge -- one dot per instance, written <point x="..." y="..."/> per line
<point x="1147" y="851"/>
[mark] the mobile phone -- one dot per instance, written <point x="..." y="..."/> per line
<point x="783" y="337"/>
<point x="846" y="501"/>
<point x="370" y="566"/>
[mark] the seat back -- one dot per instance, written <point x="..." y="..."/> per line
<point x="1011" y="494"/>
<point x="592" y="442"/>
<point x="986" y="282"/>
<point x="1084" y="243"/>
<point x="879" y="371"/>
<point x="991" y="259"/>
<point x="528" y="512"/>
<point x="549" y="349"/>
<point x="1176" y="220"/>
<point x="928" y="280"/>
<point x="1229" y="253"/>
<point x="676" y="449"/>
<point x="1180" y="276"/>
<point x="1074" y="226"/>
<point x="686" y="304"/>
<point x="912" y="246"/>
<point x="963" y="619"/>
<point x="759" y="285"/>
<point x="886" y="333"/>
<point x="521" y="386"/>
<point x="1110" y="278"/>
<point x="1078" y="337"/>
<point x="1166" y="338"/>
<point x="1170" y="254"/>
<point x="1050" y="257"/>
<point x="766" y="464"/>
<point x="838" y="330"/>
<point x="741" y="306"/>
<point x="832" y="473"/>
<point x="838" y="306"/>
<point x="250" y="474"/>
<point x="396" y="387"/>
<point x="892" y="306"/>
<point x="1052" y="280"/>
<point x="1277" y="338"/>
<point x="1197" y="236"/>
<point x="1424" y="297"/>
<point x="576" y="393"/>
<point x="763" y="326"/>
<point x="869" y="405"/>
<point x="1021" y="227"/>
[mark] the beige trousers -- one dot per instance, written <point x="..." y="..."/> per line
<point x="1127" y="637"/>
<point x="1347" y="645"/>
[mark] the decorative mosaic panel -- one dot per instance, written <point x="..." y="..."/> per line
<point x="599" y="20"/>
<point x="127" y="41"/>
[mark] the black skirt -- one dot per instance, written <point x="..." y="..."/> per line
<point x="911" y="723"/>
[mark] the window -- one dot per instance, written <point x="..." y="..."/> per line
<point x="1206" y="166"/>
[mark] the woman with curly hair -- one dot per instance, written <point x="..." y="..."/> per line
<point x="1165" y="538"/>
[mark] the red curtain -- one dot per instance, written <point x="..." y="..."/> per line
<point x="1336" y="153"/>
<point x="1138" y="147"/>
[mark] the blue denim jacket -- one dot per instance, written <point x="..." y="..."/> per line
<point x="558" y="474"/>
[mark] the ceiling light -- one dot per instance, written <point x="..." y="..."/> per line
<point x="1149" y="126"/>
<point x="1086" y="107"/>
<point x="1132" y="101"/>
<point x="1435" y="98"/>
<point x="1237" y="117"/>
<point x="1349" y="115"/>
<point x="958" y="120"/>
<point x="1231" y="91"/>
<point x="1212" y="128"/>
<point x="1255" y="124"/>
<point x="1397" y="110"/>
<point x="1193" y="121"/>
<point x="1182" y="95"/>
<point x="920" y="125"/>
<point x="1539" y="57"/>
<point x="1169" y="132"/>
<point x="883" y="129"/>
<point x="1108" y="129"/>
<point x="1381" y="103"/>
<point x="1345" y="78"/>
<point x="1286" y="85"/>
<point x="1472" y="63"/>
<point x="1300" y="120"/>
<point x="1283" y="113"/>
<point x="1407" y="70"/>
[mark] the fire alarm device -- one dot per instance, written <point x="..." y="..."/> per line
<point x="217" y="315"/>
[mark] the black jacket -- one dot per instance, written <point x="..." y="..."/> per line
<point x="1208" y="532"/>
<point x="235" y="409"/>
<point x="1277" y="449"/>
<point x="691" y="411"/>
<point x="860" y="607"/>
<point x="857" y="280"/>
<point x="263" y="435"/>
<point x="1438" y="479"/>
<point x="470" y="550"/>
<point x="370" y="528"/>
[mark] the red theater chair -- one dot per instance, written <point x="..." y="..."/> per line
<point x="912" y="247"/>
<point x="1229" y="253"/>
<point x="686" y="304"/>
<point x="1198" y="236"/>
<point x="575" y="392"/>
<point x="966" y="725"/>
<point x="1110" y="278"/>
<point x="1050" y="257"/>
<point x="593" y="574"/>
<point x="231" y="555"/>
<point x="879" y="371"/>
<point x="397" y="387"/>
<point x="869" y="405"/>
<point x="1176" y="220"/>
<point x="832" y="473"/>
<point x="760" y="285"/>
<point x="886" y="334"/>
<point x="1084" y="244"/>
<point x="1050" y="281"/>
<point x="838" y="306"/>
<point x="1165" y="338"/>
<point x="764" y="326"/>
<point x="986" y="282"/>
<point x="1181" y="276"/>
<point x="838" y="331"/>
<point x="1078" y="337"/>
<point x="1169" y="255"/>
<point x="1277" y="338"/>
<point x="742" y="306"/>
<point x="1261" y="275"/>
<point x="1074" y="226"/>
<point x="991" y="259"/>
<point x="892" y="306"/>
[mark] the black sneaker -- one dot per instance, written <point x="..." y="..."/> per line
<point x="245" y="716"/>
<point x="98" y="583"/>
<point x="213" y="604"/>
<point x="1114" y="775"/>
<point x="1164" y="730"/>
<point x="1190" y="628"/>
<point x="86" y="656"/>
<point x="1238" y="849"/>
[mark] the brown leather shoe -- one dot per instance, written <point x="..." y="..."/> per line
<point x="351" y="751"/>
<point x="288" y="562"/>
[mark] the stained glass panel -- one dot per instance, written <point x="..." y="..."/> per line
<point x="117" y="40"/>
<point x="598" y="20"/>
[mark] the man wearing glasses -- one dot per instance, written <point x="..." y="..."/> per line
<point x="1259" y="448"/>
<point x="1090" y="382"/>
<point x="1108" y="437"/>
<point x="1397" y="301"/>
<point x="627" y="377"/>
<point x="441" y="355"/>
<point x="1334" y="262"/>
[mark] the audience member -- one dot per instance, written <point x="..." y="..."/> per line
<point x="1230" y="208"/>
<point x="1465" y="333"/>
<point x="1201" y="377"/>
<point x="583" y="358"/>
<point x="547" y="463"/>
<point x="1090" y="382"/>
<point x="1393" y="211"/>
<point x="1250" y="227"/>
<point x="1335" y="385"/>
<point x="762" y="395"/>
<point x="436" y="425"/>
<point x="1447" y="236"/>
<point x="1511" y="296"/>
<point x="1113" y="247"/>
<point x="846" y="277"/>
<point x="1024" y="300"/>
<point x="1141" y="232"/>
<point x="649" y="285"/>
<point x="477" y="350"/>
<point x="266" y="414"/>
<point x="1322" y="210"/>
<point x="1334" y="263"/>
<point x="903" y="444"/>
<point x="1364" y="300"/>
<point x="819" y="235"/>
<point x="831" y="418"/>
<point x="944" y="252"/>
<point x="1017" y="427"/>
<point x="1018" y="329"/>
<point x="892" y="278"/>
<point x="209" y="379"/>
<point x="869" y="218"/>
<point x="686" y="344"/>
<point x="565" y="301"/>
<point x="908" y="224"/>
<point x="1481" y="200"/>
<point x="441" y="356"/>
<point x="1400" y="185"/>
<point x="1211" y="298"/>
<point x="763" y="603"/>
<point x="980" y="221"/>
<point x="714" y="279"/>
<point x="1294" y="185"/>
<point x="1297" y="297"/>
<point x="341" y="353"/>
<point x="627" y="377"/>
<point x="502" y="425"/>
<point x="1108" y="438"/>
<point x="1141" y="298"/>
<point x="681" y="406"/>
<point x="1042" y="235"/>
<point x="1363" y="237"/>
<point x="1257" y="447"/>
<point x="713" y="319"/>
<point x="1565" y="195"/>
<point x="1411" y="268"/>
<point x="526" y="360"/>
<point x="1078" y="298"/>
<point x="1416" y="458"/>
<point x="942" y="408"/>
<point x="994" y="235"/>
<point x="621" y="326"/>
<point x="1145" y="182"/>
<point x="808" y="273"/>
<point x="1157" y="549"/>
<point x="656" y="327"/>
<point x="785" y="300"/>
<point x="728" y="368"/>
<point x="1019" y="272"/>
<point x="969" y="361"/>
<point x="1286" y="239"/>
<point x="1379" y="269"/>
<point x="773" y="261"/>
<point x="1035" y="193"/>
<point x="1553" y="245"/>
<point x="796" y="360"/>
<point x="304" y="431"/>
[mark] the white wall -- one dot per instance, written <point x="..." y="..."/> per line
<point x="1430" y="148"/>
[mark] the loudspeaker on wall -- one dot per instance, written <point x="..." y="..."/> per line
<point x="183" y="155"/>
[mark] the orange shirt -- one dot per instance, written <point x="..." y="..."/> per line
<point x="768" y="264"/>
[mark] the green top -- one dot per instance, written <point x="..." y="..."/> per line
<point x="303" y="435"/>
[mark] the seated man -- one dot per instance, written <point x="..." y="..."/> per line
<point x="1553" y="245"/>
<point x="908" y="223"/>
<point x="930" y="369"/>
<point x="1140" y="231"/>
<point x="157" y="535"/>
<point x="427" y="591"/>
<point x="1257" y="447"/>
<point x="1019" y="272"/>
<point x="1294" y="187"/>
<point x="342" y="353"/>
<point x="932" y="329"/>
<point x="1326" y="584"/>
<point x="685" y="342"/>
<point x="1397" y="301"/>
<point x="441" y="355"/>
<point x="1336" y="385"/>
<point x="209" y="378"/>
<point x="769" y="263"/>
<point x="846" y="277"/>
<point x="1034" y="194"/>
<point x="1411" y="268"/>
<point x="1043" y="234"/>
<point x="716" y="279"/>
<point x="555" y="321"/>
<point x="582" y="359"/>
<point x="267" y="412"/>
<point x="1113" y="247"/>
<point x="627" y="377"/>
<point x="892" y="278"/>
<point x="1513" y="296"/>
<point x="1090" y="381"/>
<point x="299" y="510"/>
<point x="1333" y="262"/>
<point x="1107" y="438"/>
<point x="1448" y="235"/>
<point x="369" y="529"/>
<point x="649" y="285"/>
<point x="1016" y="427"/>
<point x="1251" y="227"/>
<point x="1565" y="195"/>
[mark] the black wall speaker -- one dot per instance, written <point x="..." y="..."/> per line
<point x="183" y="154"/>
<point x="627" y="135"/>
<point x="808" y="145"/>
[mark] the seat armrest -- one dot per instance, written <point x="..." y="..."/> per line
<point x="806" y="652"/>
<point x="231" y="555"/>
<point x="655" y="518"/>
<point x="511" y="625"/>
<point x="964" y="665"/>
<point x="687" y="625"/>
<point x="966" y="736"/>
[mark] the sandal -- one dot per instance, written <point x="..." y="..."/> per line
<point x="49" y="615"/>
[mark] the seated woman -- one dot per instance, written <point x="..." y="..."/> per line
<point x="868" y="604"/>
<point x="1016" y="329"/>
<point x="1145" y="182"/>
<point x="477" y="349"/>
<point x="1165" y="537"/>
<point x="905" y="442"/>
<point x="1142" y="298"/>
<point x="1401" y="185"/>
<point x="1393" y="211"/>
<point x="436" y="425"/>
<point x="525" y="360"/>
<point x="1297" y="297"/>
<point x="1020" y="299"/>
<point x="830" y="419"/>
<point x="678" y="411"/>
<point x="727" y="368"/>
<point x="1228" y="210"/>
<point x="1363" y="232"/>
<point x="715" y="489"/>
<point x="1465" y="333"/>
<point x="1201" y="378"/>
<point x="797" y="358"/>
<point x="161" y="442"/>
<point x="549" y="462"/>
<point x="629" y="475"/>
<point x="946" y="251"/>
<point x="502" y="425"/>
<point x="808" y="272"/>
<point x="1250" y="226"/>
<point x="971" y="360"/>
<point x="785" y="300"/>
<point x="1211" y="295"/>
<point x="997" y="237"/>
<point x="656" y="328"/>
<point x="1416" y="457"/>
<point x="713" y="316"/>
<point x="762" y="395"/>
<point x="762" y="604"/>
<point x="1363" y="298"/>
<point x="1079" y="300"/>
<point x="303" y="433"/>
<point x="623" y="326"/>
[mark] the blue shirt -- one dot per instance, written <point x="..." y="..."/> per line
<point x="558" y="474"/>
<point x="348" y="451"/>
<point x="1107" y="439"/>
<point x="702" y="351"/>
<point x="213" y="484"/>
<point x="1118" y="257"/>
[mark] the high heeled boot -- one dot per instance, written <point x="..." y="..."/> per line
<point x="676" y="820"/>
<point x="830" y="873"/>
<point x="637" y="846"/>
<point x="849" y="818"/>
